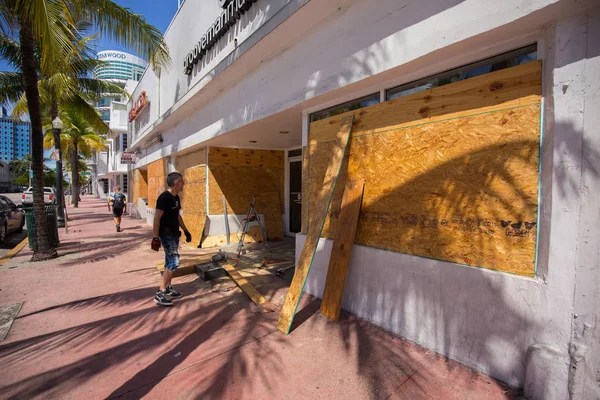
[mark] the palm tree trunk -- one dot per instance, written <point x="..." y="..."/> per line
<point x="43" y="250"/>
<point x="75" y="174"/>
<point x="59" y="170"/>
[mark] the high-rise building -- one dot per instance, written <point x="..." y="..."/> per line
<point x="15" y="138"/>
<point x="120" y="67"/>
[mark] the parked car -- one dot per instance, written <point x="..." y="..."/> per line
<point x="12" y="218"/>
<point x="49" y="196"/>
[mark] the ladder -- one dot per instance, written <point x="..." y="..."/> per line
<point x="251" y="217"/>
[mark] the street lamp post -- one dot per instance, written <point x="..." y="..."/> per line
<point x="57" y="126"/>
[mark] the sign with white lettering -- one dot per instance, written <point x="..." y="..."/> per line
<point x="233" y="10"/>
<point x="128" y="158"/>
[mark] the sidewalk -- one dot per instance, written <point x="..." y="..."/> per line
<point x="89" y="329"/>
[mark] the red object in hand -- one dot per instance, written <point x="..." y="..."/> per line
<point x="155" y="244"/>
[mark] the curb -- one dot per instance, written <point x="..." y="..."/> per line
<point x="14" y="251"/>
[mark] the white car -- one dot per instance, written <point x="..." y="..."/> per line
<point x="49" y="196"/>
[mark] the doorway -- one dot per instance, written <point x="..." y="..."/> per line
<point x="295" y="191"/>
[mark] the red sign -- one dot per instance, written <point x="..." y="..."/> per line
<point x="138" y="106"/>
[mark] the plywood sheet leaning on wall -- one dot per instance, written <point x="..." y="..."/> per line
<point x="193" y="201"/>
<point x="342" y="249"/>
<point x="305" y="183"/>
<point x="461" y="186"/>
<point x="324" y="194"/>
<point x="157" y="182"/>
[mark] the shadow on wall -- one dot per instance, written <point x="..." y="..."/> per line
<point x="485" y="319"/>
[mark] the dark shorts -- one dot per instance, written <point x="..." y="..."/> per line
<point x="117" y="212"/>
<point x="171" y="246"/>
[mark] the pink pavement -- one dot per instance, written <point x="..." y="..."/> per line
<point x="89" y="329"/>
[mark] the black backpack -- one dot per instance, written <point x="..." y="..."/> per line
<point x="119" y="201"/>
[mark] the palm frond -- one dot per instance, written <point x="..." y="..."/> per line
<point x="46" y="19"/>
<point x="123" y="26"/>
<point x="100" y="87"/>
<point x="10" y="51"/>
<point x="11" y="87"/>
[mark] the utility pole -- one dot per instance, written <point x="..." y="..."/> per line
<point x="57" y="126"/>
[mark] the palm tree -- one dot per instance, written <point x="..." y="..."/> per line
<point x="78" y="137"/>
<point x="49" y="27"/>
<point x="64" y="87"/>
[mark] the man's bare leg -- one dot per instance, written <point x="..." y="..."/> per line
<point x="166" y="281"/>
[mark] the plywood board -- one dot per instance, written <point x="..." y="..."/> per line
<point x="324" y="189"/>
<point x="504" y="89"/>
<point x="305" y="183"/>
<point x="253" y="236"/>
<point x="342" y="249"/>
<point x="187" y="265"/>
<point x="157" y="181"/>
<point x="140" y="185"/>
<point x="268" y="204"/>
<point x="233" y="157"/>
<point x="193" y="202"/>
<point x="243" y="283"/>
<point x="240" y="184"/>
<point x="461" y="190"/>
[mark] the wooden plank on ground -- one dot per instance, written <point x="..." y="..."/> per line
<point x="243" y="283"/>
<point x="187" y="266"/>
<point x="315" y="226"/>
<point x="342" y="249"/>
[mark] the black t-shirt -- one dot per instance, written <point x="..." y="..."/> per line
<point x="169" y="222"/>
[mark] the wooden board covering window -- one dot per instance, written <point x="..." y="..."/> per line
<point x="140" y="185"/>
<point x="193" y="199"/>
<point x="240" y="174"/>
<point x="157" y="180"/>
<point x="450" y="173"/>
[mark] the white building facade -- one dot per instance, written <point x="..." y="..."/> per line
<point x="253" y="83"/>
<point x="125" y="70"/>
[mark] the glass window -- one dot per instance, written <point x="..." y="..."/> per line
<point x="345" y="107"/>
<point x="124" y="141"/>
<point x="4" y="204"/>
<point x="295" y="153"/>
<point x="124" y="183"/>
<point x="502" y="61"/>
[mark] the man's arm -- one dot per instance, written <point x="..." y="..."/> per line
<point x="156" y="224"/>
<point x="181" y="223"/>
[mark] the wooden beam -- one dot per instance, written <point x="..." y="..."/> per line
<point x="317" y="218"/>
<point x="342" y="249"/>
<point x="243" y="283"/>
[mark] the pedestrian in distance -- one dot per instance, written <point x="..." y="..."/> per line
<point x="118" y="202"/>
<point x="167" y="222"/>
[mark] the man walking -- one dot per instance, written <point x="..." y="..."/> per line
<point x="167" y="221"/>
<point x="118" y="202"/>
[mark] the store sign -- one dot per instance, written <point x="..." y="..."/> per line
<point x="138" y="106"/>
<point x="128" y="158"/>
<point x="112" y="55"/>
<point x="233" y="10"/>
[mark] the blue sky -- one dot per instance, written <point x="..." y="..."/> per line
<point x="157" y="12"/>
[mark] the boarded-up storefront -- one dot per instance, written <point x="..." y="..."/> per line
<point x="193" y="199"/>
<point x="450" y="173"/>
<point x="240" y="174"/>
<point x="157" y="180"/>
